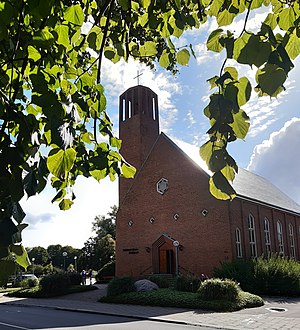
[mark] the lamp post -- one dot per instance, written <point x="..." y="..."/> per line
<point x="75" y="263"/>
<point x="33" y="260"/>
<point x="176" y="244"/>
<point x="65" y="255"/>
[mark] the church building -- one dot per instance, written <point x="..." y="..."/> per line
<point x="169" y="223"/>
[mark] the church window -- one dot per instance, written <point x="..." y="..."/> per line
<point x="238" y="243"/>
<point x="280" y="237"/>
<point x="267" y="236"/>
<point x="162" y="186"/>
<point x="292" y="241"/>
<point x="204" y="212"/>
<point x="130" y="223"/>
<point x="252" y="236"/>
<point x="151" y="220"/>
<point x="176" y="216"/>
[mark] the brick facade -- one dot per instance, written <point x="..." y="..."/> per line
<point x="148" y="222"/>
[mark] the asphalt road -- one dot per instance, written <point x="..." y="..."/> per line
<point x="25" y="318"/>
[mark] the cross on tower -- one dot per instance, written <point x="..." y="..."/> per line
<point x="138" y="76"/>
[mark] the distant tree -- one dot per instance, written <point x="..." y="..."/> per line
<point x="39" y="254"/>
<point x="56" y="251"/>
<point x="100" y="249"/>
<point x="106" y="225"/>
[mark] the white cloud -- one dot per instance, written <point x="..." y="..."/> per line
<point x="49" y="225"/>
<point x="278" y="159"/>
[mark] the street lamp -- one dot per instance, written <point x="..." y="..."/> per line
<point x="65" y="255"/>
<point x="75" y="263"/>
<point x="33" y="259"/>
<point x="176" y="244"/>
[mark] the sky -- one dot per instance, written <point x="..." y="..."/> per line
<point x="271" y="148"/>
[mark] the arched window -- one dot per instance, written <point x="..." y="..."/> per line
<point x="238" y="243"/>
<point x="292" y="241"/>
<point x="252" y="236"/>
<point x="280" y="237"/>
<point x="267" y="236"/>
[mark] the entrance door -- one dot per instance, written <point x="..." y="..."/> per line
<point x="166" y="260"/>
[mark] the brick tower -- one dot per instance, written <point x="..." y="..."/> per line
<point x="138" y="128"/>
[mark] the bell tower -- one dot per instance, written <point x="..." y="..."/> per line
<point x="138" y="128"/>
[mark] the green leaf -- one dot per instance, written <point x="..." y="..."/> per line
<point x="128" y="171"/>
<point x="220" y="188"/>
<point x="18" y="212"/>
<point x="206" y="151"/>
<point x="62" y="35"/>
<point x="256" y="52"/>
<point x="244" y="91"/>
<point x="99" y="174"/>
<point x="60" y="162"/>
<point x="232" y="71"/>
<point x="293" y="45"/>
<point x="22" y="257"/>
<point x="270" y="79"/>
<point x="148" y="49"/>
<point x="164" y="60"/>
<point x="225" y="18"/>
<point x="241" y="124"/>
<point x="74" y="14"/>
<point x="65" y="204"/>
<point x="213" y="42"/>
<point x="33" y="54"/>
<point x="286" y="18"/>
<point x="183" y="57"/>
<point x="114" y="142"/>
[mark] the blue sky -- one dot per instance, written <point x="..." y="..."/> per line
<point x="271" y="148"/>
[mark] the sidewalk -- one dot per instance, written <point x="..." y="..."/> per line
<point x="255" y="318"/>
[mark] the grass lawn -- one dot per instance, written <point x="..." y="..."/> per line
<point x="173" y="298"/>
<point x="36" y="292"/>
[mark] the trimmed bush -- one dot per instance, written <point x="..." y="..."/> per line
<point x="217" y="289"/>
<point x="55" y="283"/>
<point x="107" y="271"/>
<point x="273" y="276"/>
<point x="159" y="280"/>
<point x="119" y="285"/>
<point x="187" y="283"/>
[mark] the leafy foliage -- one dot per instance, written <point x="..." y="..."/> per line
<point x="273" y="276"/>
<point x="55" y="283"/>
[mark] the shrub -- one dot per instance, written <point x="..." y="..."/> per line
<point x="217" y="289"/>
<point x="241" y="271"/>
<point x="55" y="283"/>
<point x="160" y="281"/>
<point x="75" y="278"/>
<point x="119" y="285"/>
<point x="107" y="271"/>
<point x="30" y="283"/>
<point x="273" y="276"/>
<point x="187" y="283"/>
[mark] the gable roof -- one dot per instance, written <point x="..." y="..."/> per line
<point x="252" y="187"/>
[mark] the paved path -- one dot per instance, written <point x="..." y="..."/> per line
<point x="255" y="318"/>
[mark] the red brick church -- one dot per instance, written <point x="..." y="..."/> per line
<point x="167" y="220"/>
